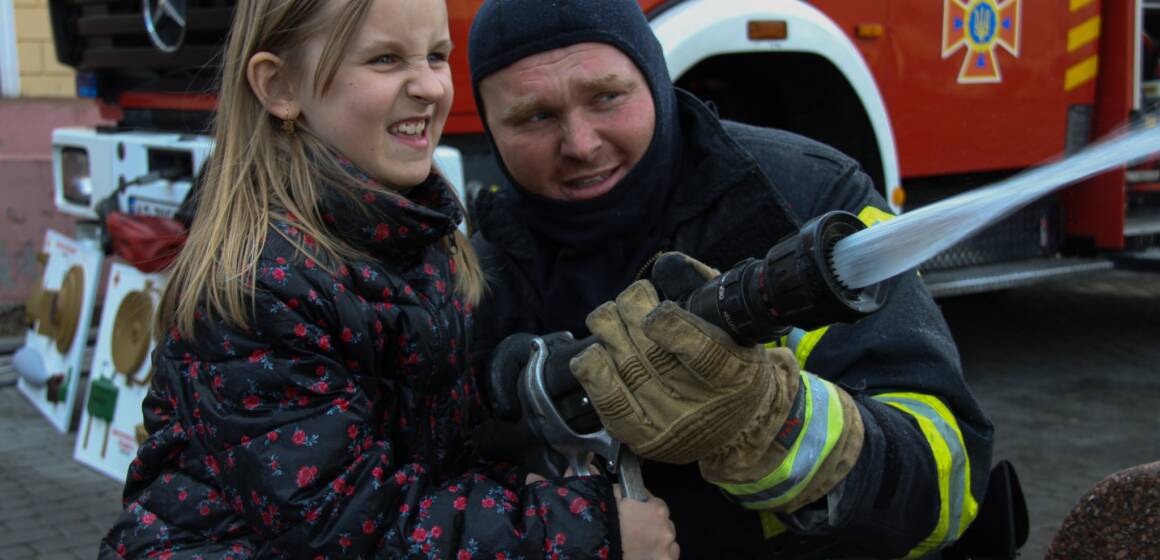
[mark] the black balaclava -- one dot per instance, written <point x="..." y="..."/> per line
<point x="586" y="252"/>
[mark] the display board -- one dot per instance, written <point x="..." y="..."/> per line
<point x="110" y="425"/>
<point x="59" y="310"/>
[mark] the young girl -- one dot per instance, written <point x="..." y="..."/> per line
<point x="311" y="395"/>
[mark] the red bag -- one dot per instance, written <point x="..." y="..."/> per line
<point x="149" y="243"/>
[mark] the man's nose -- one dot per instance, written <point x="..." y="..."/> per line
<point x="580" y="140"/>
<point x="425" y="86"/>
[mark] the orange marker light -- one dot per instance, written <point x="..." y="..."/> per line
<point x="768" y="29"/>
<point x="898" y="197"/>
<point x="869" y="30"/>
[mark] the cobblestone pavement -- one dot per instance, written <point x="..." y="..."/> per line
<point x="50" y="505"/>
<point x="1069" y="372"/>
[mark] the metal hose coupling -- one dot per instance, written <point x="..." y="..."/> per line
<point x="759" y="301"/>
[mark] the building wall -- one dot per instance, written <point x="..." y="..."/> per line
<point x="46" y="100"/>
<point x="40" y="74"/>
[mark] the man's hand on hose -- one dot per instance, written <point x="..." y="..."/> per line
<point x="677" y="389"/>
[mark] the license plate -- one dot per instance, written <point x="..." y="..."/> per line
<point x="142" y="206"/>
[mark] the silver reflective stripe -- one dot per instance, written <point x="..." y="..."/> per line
<point x="807" y="455"/>
<point x="794" y="339"/>
<point x="957" y="483"/>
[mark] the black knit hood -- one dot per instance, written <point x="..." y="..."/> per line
<point x="585" y="251"/>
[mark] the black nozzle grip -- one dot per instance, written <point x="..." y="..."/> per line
<point x="564" y="389"/>
<point x="557" y="373"/>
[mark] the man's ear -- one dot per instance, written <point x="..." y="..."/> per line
<point x="272" y="85"/>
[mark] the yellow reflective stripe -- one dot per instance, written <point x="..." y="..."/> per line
<point x="1083" y="34"/>
<point x="938" y="426"/>
<point x="1081" y="72"/>
<point x="781" y="473"/>
<point x="871" y="215"/>
<point x="801" y="342"/>
<point x="806" y="346"/>
<point x="943" y="460"/>
<point x="1077" y="4"/>
<point x="805" y="457"/>
<point x="771" y="525"/>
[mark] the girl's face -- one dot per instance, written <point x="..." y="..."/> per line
<point x="389" y="100"/>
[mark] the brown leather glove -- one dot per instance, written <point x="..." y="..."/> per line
<point x="675" y="407"/>
<point x="677" y="389"/>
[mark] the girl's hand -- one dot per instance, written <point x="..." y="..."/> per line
<point x="645" y="528"/>
<point x="592" y="470"/>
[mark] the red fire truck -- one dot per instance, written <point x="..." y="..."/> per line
<point x="933" y="97"/>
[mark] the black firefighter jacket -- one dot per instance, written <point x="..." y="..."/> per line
<point x="924" y="466"/>
<point x="335" y="426"/>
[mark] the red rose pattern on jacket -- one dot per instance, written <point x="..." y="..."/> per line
<point x="335" y="426"/>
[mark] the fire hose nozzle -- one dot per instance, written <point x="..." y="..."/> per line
<point x="794" y="285"/>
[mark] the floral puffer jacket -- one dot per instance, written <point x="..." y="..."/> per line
<point x="334" y="427"/>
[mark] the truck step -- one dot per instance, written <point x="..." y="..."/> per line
<point x="1147" y="260"/>
<point x="1142" y="222"/>
<point x="982" y="278"/>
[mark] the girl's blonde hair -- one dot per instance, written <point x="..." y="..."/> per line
<point x="257" y="174"/>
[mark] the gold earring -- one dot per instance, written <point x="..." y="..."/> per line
<point x="288" y="125"/>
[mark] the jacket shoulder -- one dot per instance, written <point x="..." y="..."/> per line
<point x="803" y="170"/>
<point x="773" y="145"/>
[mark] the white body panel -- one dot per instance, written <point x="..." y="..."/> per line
<point x="124" y="156"/>
<point x="450" y="163"/>
<point x="696" y="30"/>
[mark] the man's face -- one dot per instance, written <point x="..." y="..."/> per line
<point x="570" y="123"/>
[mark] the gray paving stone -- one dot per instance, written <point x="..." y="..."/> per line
<point x="50" y="505"/>
<point x="1068" y="373"/>
<point x="85" y="552"/>
<point x="83" y="539"/>
<point x="30" y="536"/>
<point x="23" y="523"/>
<point x="16" y="552"/>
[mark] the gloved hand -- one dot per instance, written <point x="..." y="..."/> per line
<point x="508" y="434"/>
<point x="677" y="389"/>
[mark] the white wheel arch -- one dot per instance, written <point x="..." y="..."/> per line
<point x="695" y="30"/>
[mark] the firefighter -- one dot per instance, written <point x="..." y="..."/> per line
<point x="848" y="440"/>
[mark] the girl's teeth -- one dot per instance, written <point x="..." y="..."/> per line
<point x="411" y="129"/>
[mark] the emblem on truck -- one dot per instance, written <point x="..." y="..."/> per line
<point x="982" y="27"/>
<point x="165" y="21"/>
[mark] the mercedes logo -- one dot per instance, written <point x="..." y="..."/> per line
<point x="165" y="22"/>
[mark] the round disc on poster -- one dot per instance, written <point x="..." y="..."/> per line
<point x="33" y="304"/>
<point x="66" y="308"/>
<point x="131" y="333"/>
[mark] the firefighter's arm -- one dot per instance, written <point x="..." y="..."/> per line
<point x="677" y="389"/>
<point x="923" y="467"/>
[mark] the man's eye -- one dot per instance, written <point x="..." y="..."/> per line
<point x="609" y="96"/>
<point x="538" y="117"/>
<point x="436" y="58"/>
